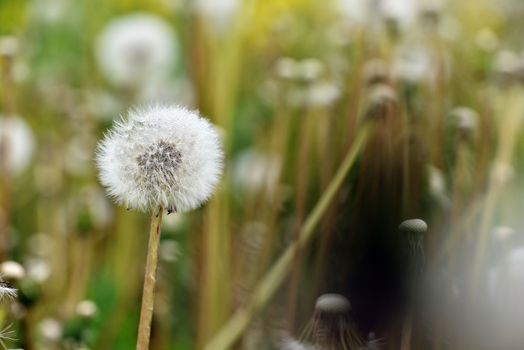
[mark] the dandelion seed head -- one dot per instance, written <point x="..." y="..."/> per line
<point x="293" y="344"/>
<point x="219" y="13"/>
<point x="8" y="46"/>
<point x="413" y="226"/>
<point x="332" y="304"/>
<point x="466" y="120"/>
<point x="6" y="292"/>
<point x="86" y="309"/>
<point x="12" y="271"/>
<point x="331" y="326"/>
<point x="17" y="138"/>
<point x="50" y="329"/>
<point x="160" y="155"/>
<point x="136" y="48"/>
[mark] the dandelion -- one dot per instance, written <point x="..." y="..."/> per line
<point x="12" y="271"/>
<point x="86" y="309"/>
<point x="331" y="326"/>
<point x="136" y="48"/>
<point x="219" y="13"/>
<point x="159" y="157"/>
<point x="17" y="143"/>
<point x="466" y="120"/>
<point x="413" y="231"/>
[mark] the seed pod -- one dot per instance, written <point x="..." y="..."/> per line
<point x="413" y="231"/>
<point x="331" y="326"/>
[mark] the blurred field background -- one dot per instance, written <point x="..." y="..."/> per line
<point x="293" y="85"/>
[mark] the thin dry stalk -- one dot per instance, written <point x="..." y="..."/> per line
<point x="148" y="296"/>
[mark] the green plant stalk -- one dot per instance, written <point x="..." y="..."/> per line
<point x="269" y="284"/>
<point x="148" y="295"/>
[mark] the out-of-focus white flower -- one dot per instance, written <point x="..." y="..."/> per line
<point x="403" y="12"/>
<point x="322" y="94"/>
<point x="286" y="68"/>
<point x="219" y="12"/>
<point x="50" y="329"/>
<point x="414" y="64"/>
<point x="38" y="270"/>
<point x="86" y="309"/>
<point x="354" y="10"/>
<point x="256" y="172"/>
<point x="18" y="139"/>
<point x="8" y="46"/>
<point x="174" y="222"/>
<point x="161" y="155"/>
<point x="50" y="11"/>
<point x="289" y="343"/>
<point x="136" y="48"/>
<point x="169" y="250"/>
<point x="12" y="271"/>
<point x="507" y="62"/>
<point x="437" y="186"/>
<point x="465" y="119"/>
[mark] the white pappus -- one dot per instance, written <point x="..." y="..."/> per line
<point x="165" y="156"/>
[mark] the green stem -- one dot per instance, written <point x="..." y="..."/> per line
<point x="269" y="284"/>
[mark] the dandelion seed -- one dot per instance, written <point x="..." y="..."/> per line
<point x="6" y="334"/>
<point x="136" y="48"/>
<point x="159" y="155"/>
<point x="6" y="292"/>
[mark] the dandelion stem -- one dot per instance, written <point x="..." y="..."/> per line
<point x="269" y="284"/>
<point x="148" y="296"/>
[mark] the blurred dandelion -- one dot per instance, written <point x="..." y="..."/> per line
<point x="135" y="49"/>
<point x="18" y="140"/>
<point x="331" y="327"/>
<point x="219" y="13"/>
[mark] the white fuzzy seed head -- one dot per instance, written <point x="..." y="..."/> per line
<point x="17" y="138"/>
<point x="160" y="155"/>
<point x="135" y="49"/>
<point x="5" y="291"/>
